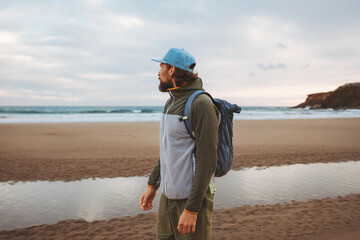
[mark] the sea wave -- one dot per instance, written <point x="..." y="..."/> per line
<point x="20" y="111"/>
<point x="29" y="114"/>
<point x="146" y="110"/>
<point x="78" y="110"/>
<point x="121" y="111"/>
<point x="93" y="111"/>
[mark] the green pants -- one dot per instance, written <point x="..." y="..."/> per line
<point x="169" y="214"/>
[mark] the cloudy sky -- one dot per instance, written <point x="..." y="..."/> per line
<point x="97" y="52"/>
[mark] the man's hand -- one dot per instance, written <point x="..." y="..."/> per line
<point x="187" y="223"/>
<point x="147" y="198"/>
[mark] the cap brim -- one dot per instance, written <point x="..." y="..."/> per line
<point x="158" y="60"/>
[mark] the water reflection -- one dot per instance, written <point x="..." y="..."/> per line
<point x="286" y="183"/>
<point x="34" y="203"/>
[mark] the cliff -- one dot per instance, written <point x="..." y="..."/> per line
<point x="344" y="97"/>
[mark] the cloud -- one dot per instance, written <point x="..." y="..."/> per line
<point x="97" y="76"/>
<point x="8" y="38"/>
<point x="6" y="93"/>
<point x="29" y="61"/>
<point x="126" y="21"/>
<point x="99" y="51"/>
<point x="95" y="2"/>
<point x="280" y="45"/>
<point x="37" y="95"/>
<point x="270" y="66"/>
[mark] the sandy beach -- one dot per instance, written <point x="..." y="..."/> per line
<point x="72" y="151"/>
<point x="326" y="219"/>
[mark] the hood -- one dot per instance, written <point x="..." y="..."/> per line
<point x="188" y="88"/>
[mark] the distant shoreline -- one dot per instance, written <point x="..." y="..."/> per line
<point x="158" y="121"/>
<point x="153" y="114"/>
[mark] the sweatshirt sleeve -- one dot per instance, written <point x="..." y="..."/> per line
<point x="204" y="116"/>
<point x="154" y="178"/>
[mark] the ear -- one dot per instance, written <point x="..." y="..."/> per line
<point x="172" y="70"/>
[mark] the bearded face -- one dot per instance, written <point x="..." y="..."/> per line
<point x="164" y="86"/>
<point x="165" y="78"/>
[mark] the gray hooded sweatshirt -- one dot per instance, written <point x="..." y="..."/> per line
<point x="186" y="166"/>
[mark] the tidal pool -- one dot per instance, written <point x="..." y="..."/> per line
<point x="26" y="204"/>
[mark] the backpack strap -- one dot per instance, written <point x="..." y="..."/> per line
<point x="187" y="111"/>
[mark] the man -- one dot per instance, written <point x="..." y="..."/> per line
<point x="185" y="169"/>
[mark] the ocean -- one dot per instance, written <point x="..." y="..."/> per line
<point x="55" y="114"/>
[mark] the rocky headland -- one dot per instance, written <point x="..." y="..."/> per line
<point x="346" y="96"/>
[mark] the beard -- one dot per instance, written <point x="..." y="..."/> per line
<point x="164" y="86"/>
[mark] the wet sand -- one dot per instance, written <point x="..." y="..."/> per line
<point x="70" y="151"/>
<point x="326" y="219"/>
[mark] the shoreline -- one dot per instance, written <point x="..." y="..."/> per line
<point x="158" y="121"/>
<point x="11" y="182"/>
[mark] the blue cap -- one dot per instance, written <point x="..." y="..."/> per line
<point x="179" y="58"/>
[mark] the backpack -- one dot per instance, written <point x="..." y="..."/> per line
<point x="225" y="133"/>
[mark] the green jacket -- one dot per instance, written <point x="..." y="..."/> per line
<point x="177" y="173"/>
